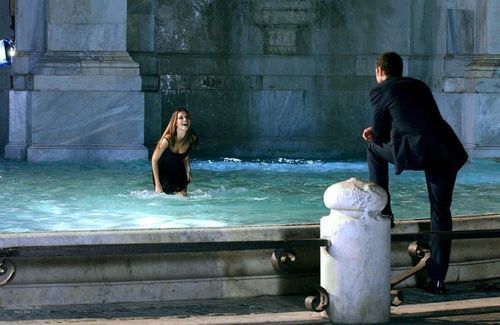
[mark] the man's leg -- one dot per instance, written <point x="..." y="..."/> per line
<point x="440" y="183"/>
<point x="378" y="159"/>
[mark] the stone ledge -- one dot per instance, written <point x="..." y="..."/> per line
<point x="211" y="275"/>
<point x="446" y="306"/>
<point x="101" y="153"/>
<point x="472" y="85"/>
<point x="87" y="83"/>
<point x="481" y="152"/>
<point x="15" y="296"/>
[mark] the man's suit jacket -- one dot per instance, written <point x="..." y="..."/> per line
<point x="406" y="116"/>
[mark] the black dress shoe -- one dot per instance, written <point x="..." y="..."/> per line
<point x="436" y="287"/>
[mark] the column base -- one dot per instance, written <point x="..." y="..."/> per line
<point x="485" y="152"/>
<point x="13" y="151"/>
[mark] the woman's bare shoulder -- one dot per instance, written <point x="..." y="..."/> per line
<point x="163" y="143"/>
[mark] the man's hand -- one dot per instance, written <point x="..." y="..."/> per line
<point x="367" y="134"/>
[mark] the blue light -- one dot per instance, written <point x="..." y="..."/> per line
<point x="7" y="51"/>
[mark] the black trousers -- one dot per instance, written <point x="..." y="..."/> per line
<point x="440" y="183"/>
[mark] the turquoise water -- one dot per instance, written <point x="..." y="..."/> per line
<point x="55" y="196"/>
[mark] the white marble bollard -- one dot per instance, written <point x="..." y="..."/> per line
<point x="355" y="268"/>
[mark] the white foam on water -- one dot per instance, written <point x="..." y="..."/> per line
<point x="148" y="221"/>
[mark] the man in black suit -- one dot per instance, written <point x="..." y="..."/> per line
<point x="408" y="131"/>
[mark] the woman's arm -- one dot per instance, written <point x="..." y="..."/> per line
<point x="187" y="164"/>
<point x="160" y="148"/>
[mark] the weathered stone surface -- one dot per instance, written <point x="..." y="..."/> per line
<point x="262" y="55"/>
<point x="356" y="278"/>
<point x="78" y="92"/>
<point x="355" y="195"/>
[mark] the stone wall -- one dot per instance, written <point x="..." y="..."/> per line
<point x="472" y="73"/>
<point x="262" y="78"/>
<point x="61" y="280"/>
<point x="278" y="78"/>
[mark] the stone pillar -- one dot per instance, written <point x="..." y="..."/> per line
<point x="355" y="269"/>
<point x="479" y="86"/>
<point x="30" y="45"/>
<point x="5" y="32"/>
<point x="481" y="115"/>
<point x="85" y="100"/>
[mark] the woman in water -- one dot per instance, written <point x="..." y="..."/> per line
<point x="170" y="160"/>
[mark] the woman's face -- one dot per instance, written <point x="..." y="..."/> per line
<point x="183" y="121"/>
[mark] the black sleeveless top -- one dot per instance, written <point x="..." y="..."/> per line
<point x="172" y="171"/>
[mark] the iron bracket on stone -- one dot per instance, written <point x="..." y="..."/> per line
<point x="7" y="267"/>
<point x="7" y="271"/>
<point x="416" y="249"/>
<point x="282" y="260"/>
<point x="420" y="249"/>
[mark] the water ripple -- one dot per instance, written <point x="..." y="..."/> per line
<point x="49" y="196"/>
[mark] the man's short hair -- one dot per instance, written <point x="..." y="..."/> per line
<point x="391" y="63"/>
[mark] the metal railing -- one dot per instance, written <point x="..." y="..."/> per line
<point x="156" y="248"/>
<point x="456" y="234"/>
<point x="282" y="258"/>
